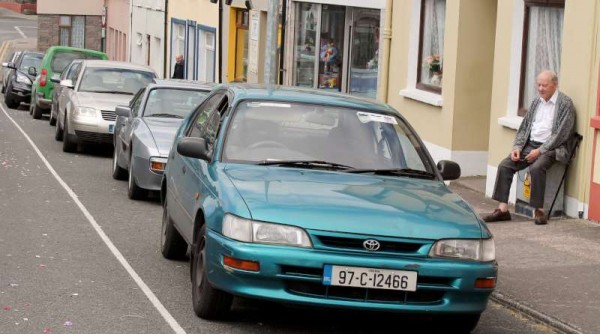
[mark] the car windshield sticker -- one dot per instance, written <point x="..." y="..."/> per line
<point x="366" y="117"/>
<point x="268" y="104"/>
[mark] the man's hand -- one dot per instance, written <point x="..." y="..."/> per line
<point x="515" y="155"/>
<point x="533" y="155"/>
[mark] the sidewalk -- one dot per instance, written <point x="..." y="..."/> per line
<point x="548" y="272"/>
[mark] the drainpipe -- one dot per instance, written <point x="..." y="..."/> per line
<point x="382" y="94"/>
<point x="220" y="50"/>
<point x="166" y="61"/>
<point x="130" y="30"/>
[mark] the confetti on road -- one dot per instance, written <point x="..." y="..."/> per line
<point x="42" y="266"/>
<point x="38" y="256"/>
<point x="75" y="294"/>
<point x="7" y="308"/>
<point x="46" y="331"/>
<point x="14" y="285"/>
<point x="68" y="323"/>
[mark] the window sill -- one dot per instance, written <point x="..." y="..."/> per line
<point x="422" y="96"/>
<point x="511" y="122"/>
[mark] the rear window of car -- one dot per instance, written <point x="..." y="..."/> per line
<point x="62" y="59"/>
<point x="30" y="60"/>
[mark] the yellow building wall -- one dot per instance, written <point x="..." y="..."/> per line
<point x="578" y="78"/>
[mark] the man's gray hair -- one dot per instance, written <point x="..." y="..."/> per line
<point x="553" y="76"/>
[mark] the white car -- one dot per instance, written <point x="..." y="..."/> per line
<point x="86" y="106"/>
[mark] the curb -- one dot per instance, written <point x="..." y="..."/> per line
<point x="549" y="320"/>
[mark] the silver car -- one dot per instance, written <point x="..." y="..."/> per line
<point x="86" y="110"/>
<point x="145" y="130"/>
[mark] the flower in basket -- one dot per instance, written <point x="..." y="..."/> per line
<point x="433" y="63"/>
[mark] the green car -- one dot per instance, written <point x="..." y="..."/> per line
<point x="57" y="58"/>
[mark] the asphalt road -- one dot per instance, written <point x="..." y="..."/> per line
<point x="16" y="27"/>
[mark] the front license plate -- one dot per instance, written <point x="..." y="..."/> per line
<point x="370" y="278"/>
<point x="111" y="128"/>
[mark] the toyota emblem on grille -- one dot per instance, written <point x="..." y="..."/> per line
<point x="371" y="244"/>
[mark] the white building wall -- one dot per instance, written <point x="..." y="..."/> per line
<point x="148" y="33"/>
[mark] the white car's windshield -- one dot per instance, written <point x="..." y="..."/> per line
<point x="114" y="80"/>
<point x="267" y="132"/>
<point x="172" y="103"/>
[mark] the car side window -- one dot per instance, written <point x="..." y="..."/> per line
<point x="73" y="71"/>
<point x="136" y="102"/>
<point x="206" y="121"/>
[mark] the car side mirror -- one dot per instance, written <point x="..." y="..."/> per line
<point x="449" y="170"/>
<point x="32" y="71"/>
<point x="66" y="83"/>
<point x="193" y="147"/>
<point x="10" y="65"/>
<point x="124" y="111"/>
<point x="55" y="78"/>
<point x="4" y="64"/>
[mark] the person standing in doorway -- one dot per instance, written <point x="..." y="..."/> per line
<point x="540" y="141"/>
<point x="179" y="69"/>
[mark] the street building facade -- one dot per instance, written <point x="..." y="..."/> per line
<point x="71" y="23"/>
<point x="118" y="26"/>
<point x="148" y="29"/>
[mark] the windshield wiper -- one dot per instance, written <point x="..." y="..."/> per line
<point x="165" y="115"/>
<point x="397" y="171"/>
<point x="107" y="92"/>
<point x="305" y="164"/>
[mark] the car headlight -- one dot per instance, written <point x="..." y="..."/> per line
<point x="85" y="112"/>
<point x="264" y="233"/>
<point x="158" y="164"/>
<point x="21" y="78"/>
<point x="468" y="249"/>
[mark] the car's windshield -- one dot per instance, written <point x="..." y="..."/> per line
<point x="114" y="80"/>
<point x="264" y="132"/>
<point x="62" y="59"/>
<point x="171" y="102"/>
<point x="30" y="60"/>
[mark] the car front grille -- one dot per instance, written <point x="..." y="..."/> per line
<point x="357" y="244"/>
<point x="94" y="137"/>
<point x="108" y="115"/>
<point x="318" y="290"/>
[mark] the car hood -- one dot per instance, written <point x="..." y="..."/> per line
<point x="102" y="101"/>
<point x="354" y="203"/>
<point x="163" y="131"/>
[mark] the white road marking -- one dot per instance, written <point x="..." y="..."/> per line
<point x="20" y="32"/>
<point x="151" y="296"/>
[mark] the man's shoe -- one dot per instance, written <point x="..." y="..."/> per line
<point x="497" y="216"/>
<point x="540" y="217"/>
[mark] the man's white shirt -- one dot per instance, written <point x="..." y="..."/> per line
<point x="544" y="117"/>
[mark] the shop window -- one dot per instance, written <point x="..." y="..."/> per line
<point x="542" y="41"/>
<point x="331" y="47"/>
<point x="431" y="45"/>
<point x="305" y="41"/>
<point x="72" y="31"/>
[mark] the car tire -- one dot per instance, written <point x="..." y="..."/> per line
<point x="118" y="173"/>
<point x="209" y="303"/>
<point x="10" y="102"/>
<point x="37" y="112"/>
<point x="3" y="89"/>
<point x="133" y="191"/>
<point x="52" y="121"/>
<point x="31" y="104"/>
<point x="58" y="133"/>
<point x="172" y="244"/>
<point x="69" y="145"/>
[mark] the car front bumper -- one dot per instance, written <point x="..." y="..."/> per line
<point x="294" y="275"/>
<point x="91" y="129"/>
<point x="20" y="92"/>
<point x="144" y="177"/>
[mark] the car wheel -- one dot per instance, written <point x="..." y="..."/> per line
<point x="69" y="145"/>
<point x="37" y="112"/>
<point x="58" y="134"/>
<point x="209" y="303"/>
<point x="172" y="244"/>
<point x="118" y="173"/>
<point x="31" y="104"/>
<point x="3" y="89"/>
<point x="10" y="102"/>
<point x="460" y="323"/>
<point x="133" y="191"/>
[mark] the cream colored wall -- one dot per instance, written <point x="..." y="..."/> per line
<point x="474" y="57"/>
<point x="70" y="7"/>
<point x="202" y="11"/>
<point x="433" y="124"/>
<point x="578" y="78"/>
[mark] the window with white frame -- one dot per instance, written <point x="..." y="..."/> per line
<point x="431" y="45"/>
<point x="206" y="55"/>
<point x="177" y="42"/>
<point x="191" y="51"/>
<point x="542" y="41"/>
<point x="72" y="31"/>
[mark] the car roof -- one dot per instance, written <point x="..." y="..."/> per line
<point x="177" y="83"/>
<point x="303" y="95"/>
<point x="70" y="48"/>
<point x="116" y="64"/>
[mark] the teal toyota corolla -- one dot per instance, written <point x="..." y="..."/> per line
<point x="305" y="197"/>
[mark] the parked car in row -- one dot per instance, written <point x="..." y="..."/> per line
<point x="145" y="130"/>
<point x="86" y="109"/>
<point x="56" y="59"/>
<point x="304" y="197"/>
<point x="11" y="58"/>
<point x="20" y="79"/>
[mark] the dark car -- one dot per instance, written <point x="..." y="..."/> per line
<point x="18" y="87"/>
<point x="5" y="70"/>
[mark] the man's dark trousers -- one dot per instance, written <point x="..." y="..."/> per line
<point x="537" y="170"/>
